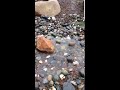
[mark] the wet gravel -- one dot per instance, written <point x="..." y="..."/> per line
<point x="65" y="68"/>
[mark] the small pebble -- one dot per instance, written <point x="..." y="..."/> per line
<point x="36" y="75"/>
<point x="78" y="81"/>
<point x="51" y="83"/>
<point x="52" y="68"/>
<point x="80" y="86"/>
<point x="75" y="63"/>
<point x="74" y="83"/>
<point x="65" y="54"/>
<point x="62" y="76"/>
<point x="55" y="77"/>
<point x="70" y="59"/>
<point x="82" y="72"/>
<point x="53" y="88"/>
<point x="40" y="62"/>
<point x="46" y="61"/>
<point x="58" y="41"/>
<point x="68" y="37"/>
<point x="58" y="87"/>
<point x="71" y="69"/>
<point x="45" y="81"/>
<point x="38" y="58"/>
<point x="49" y="78"/>
<point x="48" y="56"/>
<point x="82" y="43"/>
<point x="45" y="69"/>
<point x="68" y="86"/>
<point x="53" y="18"/>
<point x="71" y="43"/>
<point x="58" y="72"/>
<point x="36" y="85"/>
<point x="65" y="72"/>
<point x="57" y="83"/>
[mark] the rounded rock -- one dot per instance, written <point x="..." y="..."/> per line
<point x="65" y="72"/>
<point x="49" y="78"/>
<point x="58" y="41"/>
<point x="56" y="77"/>
<point x="45" y="81"/>
<point x="71" y="44"/>
<point x="75" y="63"/>
<point x="62" y="76"/>
<point x="70" y="59"/>
<point x="51" y="83"/>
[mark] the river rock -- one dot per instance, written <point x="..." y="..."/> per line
<point x="44" y="44"/>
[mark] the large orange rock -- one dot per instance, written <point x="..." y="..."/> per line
<point x="44" y="44"/>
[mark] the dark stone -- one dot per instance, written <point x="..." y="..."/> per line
<point x="68" y="86"/>
<point x="82" y="43"/>
<point x="78" y="81"/>
<point x="58" y="87"/>
<point x="70" y="59"/>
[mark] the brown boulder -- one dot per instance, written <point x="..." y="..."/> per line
<point x="44" y="44"/>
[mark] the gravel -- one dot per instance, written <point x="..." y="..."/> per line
<point x="67" y="31"/>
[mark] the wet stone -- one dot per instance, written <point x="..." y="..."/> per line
<point x="70" y="59"/>
<point x="68" y="86"/>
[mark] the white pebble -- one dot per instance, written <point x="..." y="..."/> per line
<point x="46" y="61"/>
<point x="62" y="76"/>
<point x="68" y="37"/>
<point x="65" y="54"/>
<point x="40" y="62"/>
<point x="52" y="68"/>
<point x="53" y="18"/>
<point x="70" y="69"/>
<point x="45" y="69"/>
<point x="48" y="56"/>
<point x="35" y="75"/>
<point x="75" y="57"/>
<point x="53" y="88"/>
<point x="74" y="83"/>
<point x="49" y="18"/>
<point x="75" y="63"/>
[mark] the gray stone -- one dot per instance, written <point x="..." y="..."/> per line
<point x="78" y="81"/>
<point x="56" y="77"/>
<point x="45" y="81"/>
<point x="68" y="86"/>
<point x="70" y="59"/>
<point x="36" y="85"/>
